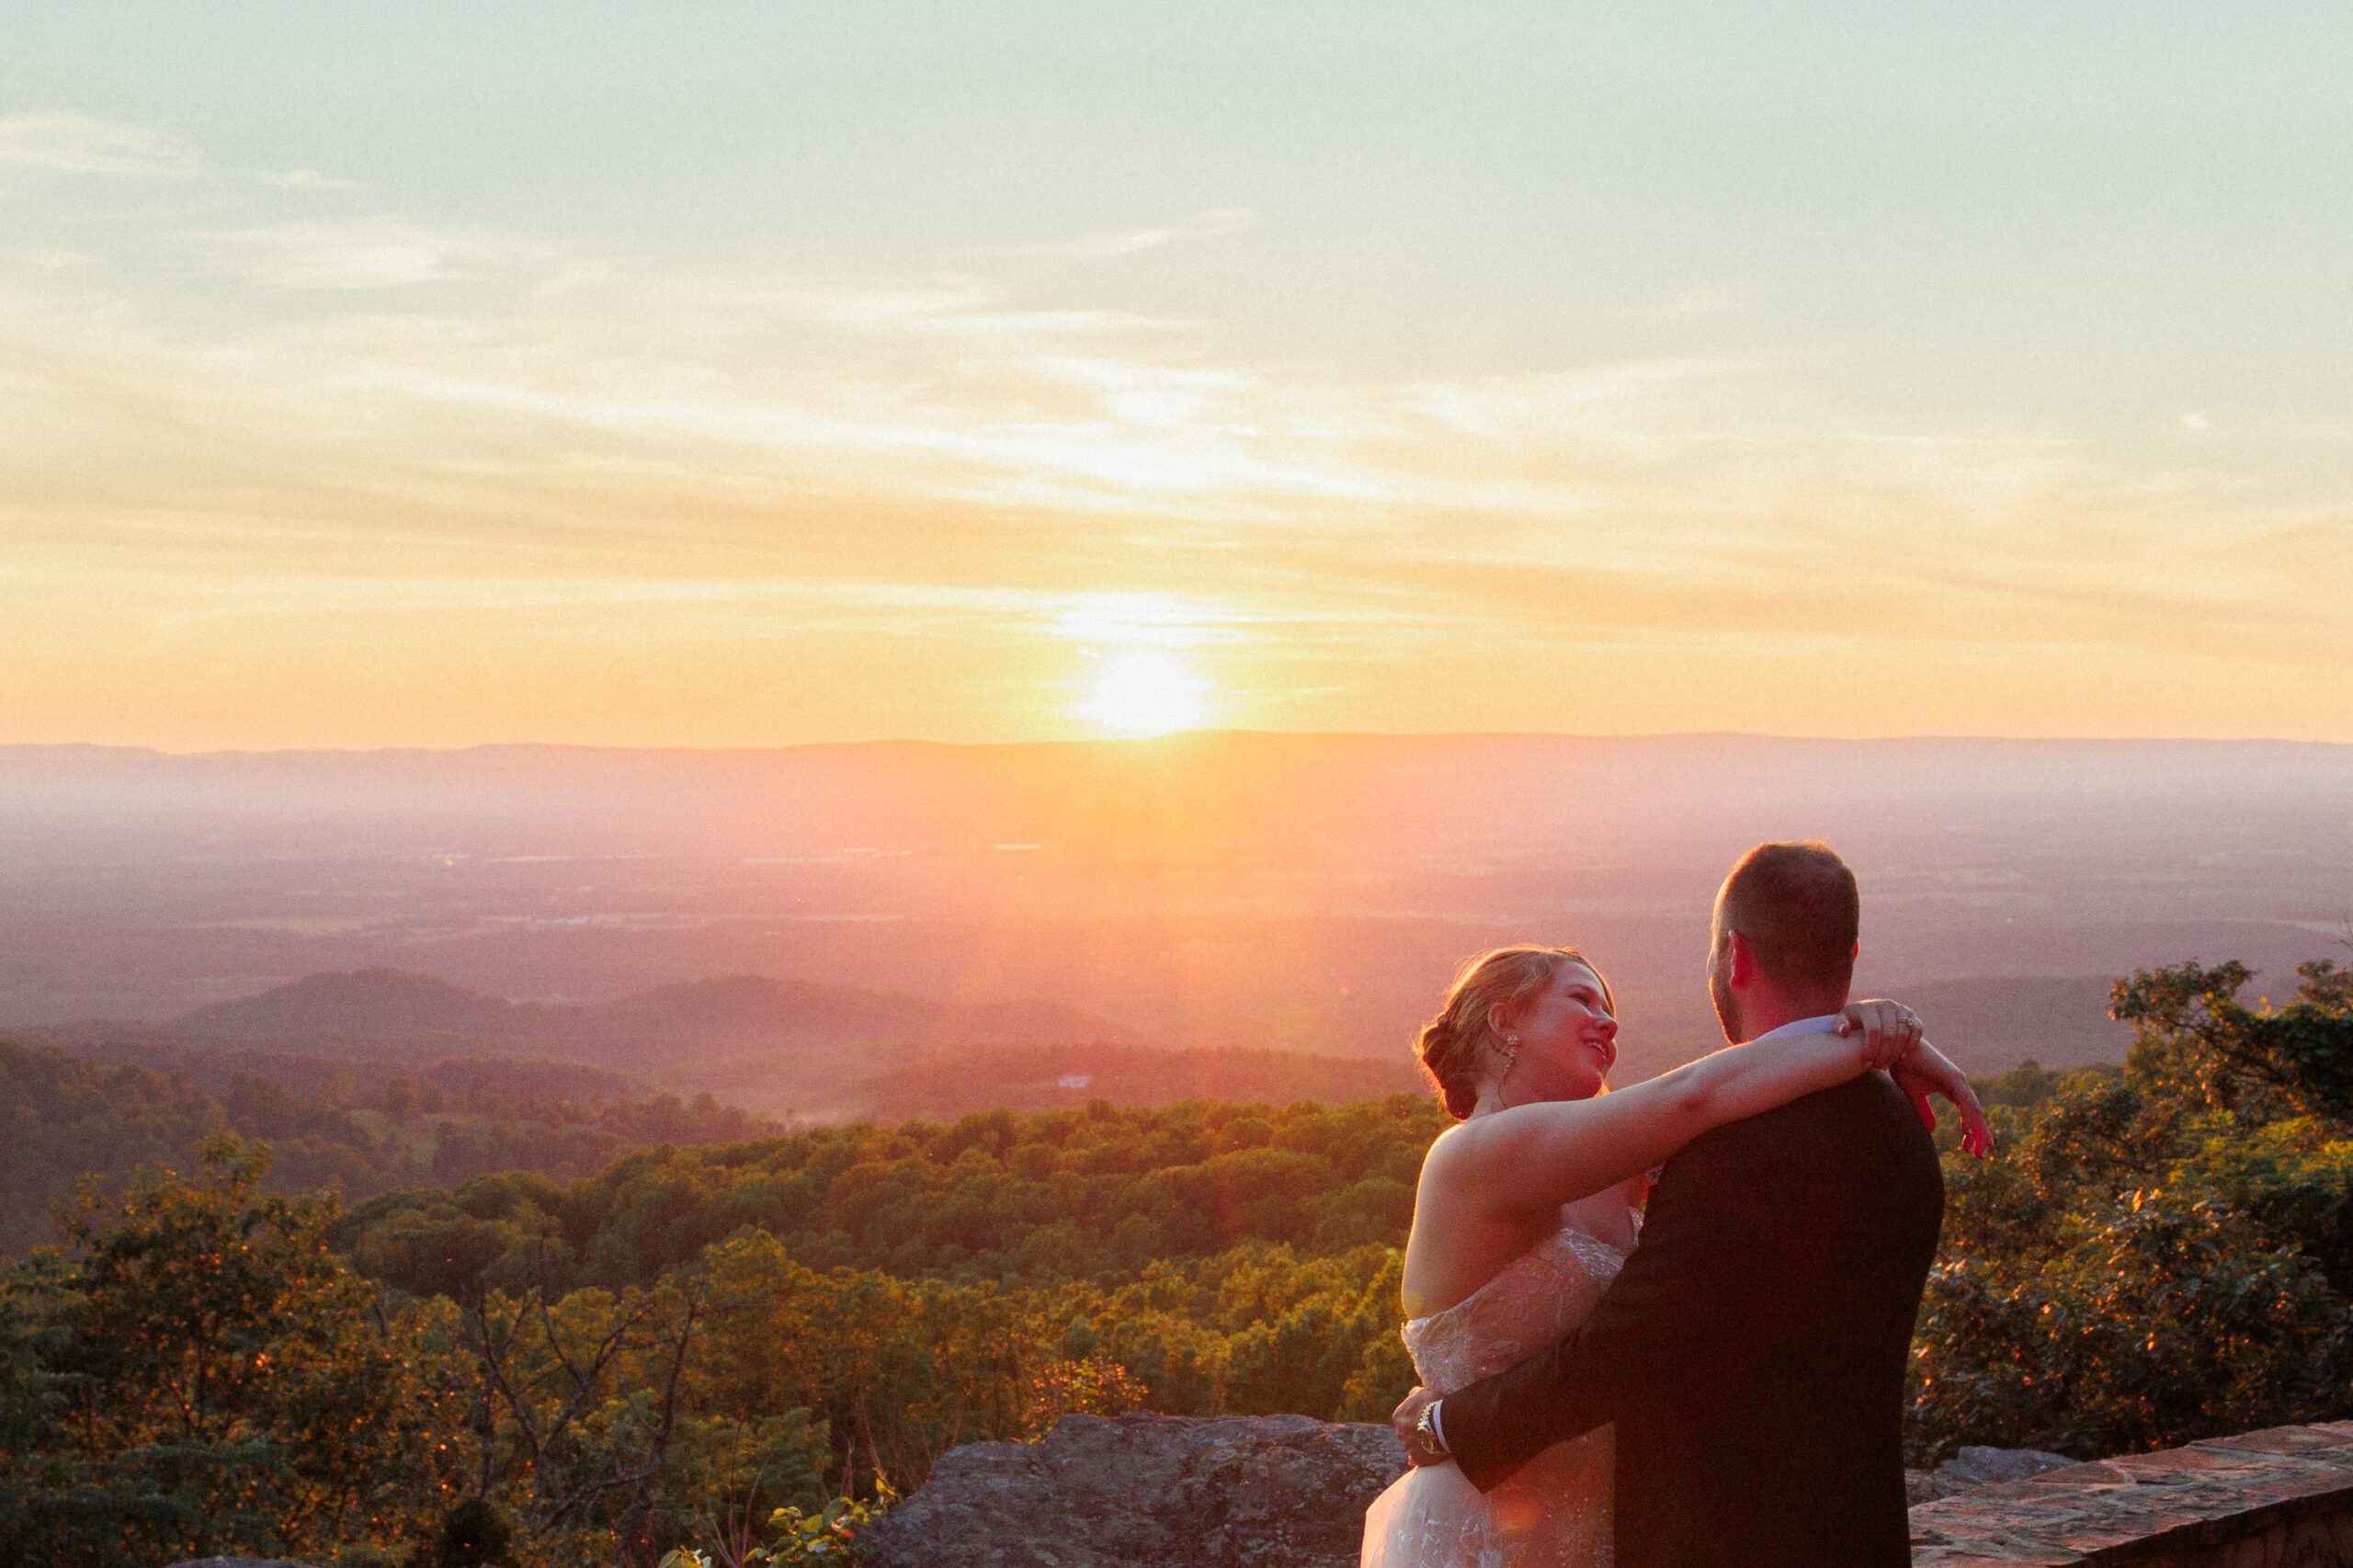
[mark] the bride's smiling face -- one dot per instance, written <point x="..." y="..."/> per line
<point x="1568" y="1039"/>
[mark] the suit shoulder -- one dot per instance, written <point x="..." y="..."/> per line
<point x="1868" y="1112"/>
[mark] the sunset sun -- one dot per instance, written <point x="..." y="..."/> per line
<point x="1145" y="691"/>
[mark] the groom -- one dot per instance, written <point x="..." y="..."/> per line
<point x="1752" y="1351"/>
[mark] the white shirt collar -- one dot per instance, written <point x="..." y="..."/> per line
<point x="1823" y="1023"/>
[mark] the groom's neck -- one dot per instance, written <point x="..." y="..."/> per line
<point x="1763" y="1012"/>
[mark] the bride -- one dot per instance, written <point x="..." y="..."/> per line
<point x="1528" y="1206"/>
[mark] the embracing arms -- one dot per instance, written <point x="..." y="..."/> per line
<point x="1645" y="1331"/>
<point x="1780" y="1271"/>
<point x="1535" y="1157"/>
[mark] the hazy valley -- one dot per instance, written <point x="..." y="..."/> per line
<point x="779" y="927"/>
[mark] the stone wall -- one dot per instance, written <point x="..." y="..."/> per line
<point x="2281" y="1498"/>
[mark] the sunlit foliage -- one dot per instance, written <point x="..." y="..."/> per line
<point x="2159" y="1254"/>
<point x="204" y="1373"/>
<point x="1091" y="1194"/>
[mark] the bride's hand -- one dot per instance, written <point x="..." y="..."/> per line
<point x="1407" y="1419"/>
<point x="1925" y="1071"/>
<point x="1889" y="1029"/>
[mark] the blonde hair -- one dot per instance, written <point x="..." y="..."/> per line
<point x="1451" y="1043"/>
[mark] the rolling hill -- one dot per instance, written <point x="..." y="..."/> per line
<point x="788" y="1046"/>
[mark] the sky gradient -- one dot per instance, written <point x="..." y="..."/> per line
<point x="750" y="375"/>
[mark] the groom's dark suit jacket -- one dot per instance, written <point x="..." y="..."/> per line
<point x="1752" y="1351"/>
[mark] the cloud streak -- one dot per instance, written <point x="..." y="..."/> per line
<point x="73" y="143"/>
<point x="362" y="253"/>
<point x="1104" y="246"/>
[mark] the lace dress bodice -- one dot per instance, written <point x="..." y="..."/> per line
<point x="1555" y="1512"/>
<point x="1532" y="1302"/>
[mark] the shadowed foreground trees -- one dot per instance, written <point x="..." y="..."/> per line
<point x="203" y="1373"/>
<point x="200" y="1372"/>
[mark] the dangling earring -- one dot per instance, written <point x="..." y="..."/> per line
<point x="1509" y="1050"/>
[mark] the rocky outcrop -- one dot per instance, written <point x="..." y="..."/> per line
<point x="1149" y="1492"/>
<point x="1973" y="1468"/>
<point x="1181" y="1492"/>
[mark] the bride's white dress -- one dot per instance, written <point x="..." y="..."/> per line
<point x="1554" y="1513"/>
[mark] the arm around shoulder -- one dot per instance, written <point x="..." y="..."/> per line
<point x="1530" y="1158"/>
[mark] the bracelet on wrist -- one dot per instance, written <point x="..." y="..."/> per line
<point x="1432" y="1435"/>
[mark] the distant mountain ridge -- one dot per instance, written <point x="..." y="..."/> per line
<point x="369" y="1004"/>
<point x="806" y="1047"/>
<point x="389" y="1004"/>
<point x="775" y="1044"/>
<point x="1215" y="789"/>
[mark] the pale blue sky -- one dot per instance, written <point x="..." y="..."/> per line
<point x="2161" y="188"/>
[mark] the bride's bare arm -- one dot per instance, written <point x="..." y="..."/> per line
<point x="1536" y="1158"/>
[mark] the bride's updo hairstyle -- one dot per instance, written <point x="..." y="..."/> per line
<point x="1454" y="1043"/>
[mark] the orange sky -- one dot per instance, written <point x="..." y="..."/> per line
<point x="318" y="435"/>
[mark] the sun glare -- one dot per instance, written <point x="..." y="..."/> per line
<point x="1145" y="691"/>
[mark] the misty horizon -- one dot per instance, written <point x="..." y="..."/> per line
<point x="1295" y="892"/>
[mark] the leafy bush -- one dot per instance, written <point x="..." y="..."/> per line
<point x="204" y="1374"/>
<point x="797" y="1536"/>
<point x="2162" y="1255"/>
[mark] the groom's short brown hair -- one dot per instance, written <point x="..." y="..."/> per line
<point x="1797" y="905"/>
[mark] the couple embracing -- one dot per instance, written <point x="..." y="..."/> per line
<point x="1715" y="1381"/>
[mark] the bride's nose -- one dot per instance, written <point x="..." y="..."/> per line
<point x="1608" y="1025"/>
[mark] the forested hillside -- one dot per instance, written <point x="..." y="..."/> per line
<point x="328" y="1124"/>
<point x="1067" y="1195"/>
<point x="664" y="1351"/>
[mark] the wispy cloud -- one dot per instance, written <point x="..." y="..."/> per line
<point x="378" y="252"/>
<point x="303" y="179"/>
<point x="73" y="143"/>
<point x="47" y="260"/>
<point x="1102" y="247"/>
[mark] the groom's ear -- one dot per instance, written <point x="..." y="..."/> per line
<point x="1743" y="959"/>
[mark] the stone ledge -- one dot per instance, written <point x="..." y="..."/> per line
<point x="1148" y="1492"/>
<point x="2283" y="1496"/>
